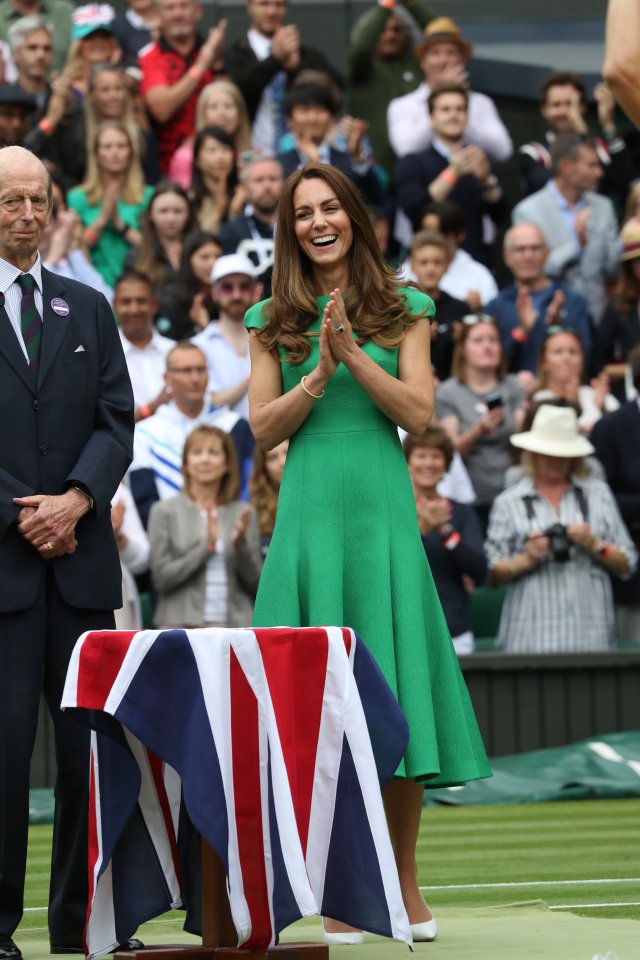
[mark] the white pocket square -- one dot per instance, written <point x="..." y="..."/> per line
<point x="79" y="349"/>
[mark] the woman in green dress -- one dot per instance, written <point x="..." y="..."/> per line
<point x="340" y="359"/>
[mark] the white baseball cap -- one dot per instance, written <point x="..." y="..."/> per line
<point x="232" y="263"/>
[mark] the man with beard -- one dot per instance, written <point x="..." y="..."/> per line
<point x="252" y="233"/>
<point x="225" y="342"/>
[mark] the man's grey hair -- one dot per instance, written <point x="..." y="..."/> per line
<point x="253" y="158"/>
<point x="24" y="26"/>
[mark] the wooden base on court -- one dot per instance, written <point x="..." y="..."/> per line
<point x="218" y="932"/>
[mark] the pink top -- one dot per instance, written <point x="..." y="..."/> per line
<point x="180" y="166"/>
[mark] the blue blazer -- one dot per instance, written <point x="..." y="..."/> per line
<point x="75" y="424"/>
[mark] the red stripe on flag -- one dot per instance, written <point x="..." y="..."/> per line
<point x="156" y="765"/>
<point x="248" y="805"/>
<point x="346" y="636"/>
<point x="101" y="657"/>
<point x="295" y="663"/>
<point x="94" y="848"/>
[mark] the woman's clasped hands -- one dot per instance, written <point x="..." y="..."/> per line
<point x="336" y="336"/>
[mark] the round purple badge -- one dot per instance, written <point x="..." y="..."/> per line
<point x="61" y="307"/>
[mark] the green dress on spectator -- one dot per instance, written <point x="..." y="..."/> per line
<point x="346" y="551"/>
<point x="110" y="252"/>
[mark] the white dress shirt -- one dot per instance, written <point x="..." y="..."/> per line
<point x="12" y="293"/>
<point x="410" y="126"/>
<point x="146" y="366"/>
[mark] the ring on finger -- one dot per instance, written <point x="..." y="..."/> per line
<point x="48" y="545"/>
<point x="340" y="328"/>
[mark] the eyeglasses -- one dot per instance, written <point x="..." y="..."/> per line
<point x="227" y="286"/>
<point x="188" y="371"/>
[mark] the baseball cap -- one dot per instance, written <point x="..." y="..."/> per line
<point x="232" y="263"/>
<point x="90" y="18"/>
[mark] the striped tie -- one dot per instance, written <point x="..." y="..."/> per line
<point x="30" y="320"/>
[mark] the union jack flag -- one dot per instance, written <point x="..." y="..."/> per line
<point x="271" y="744"/>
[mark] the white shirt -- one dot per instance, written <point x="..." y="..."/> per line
<point x="146" y="366"/>
<point x="226" y="368"/>
<point x="159" y="440"/>
<point x="263" y="132"/>
<point x="13" y="294"/>
<point x="410" y="127"/>
<point x="464" y="276"/>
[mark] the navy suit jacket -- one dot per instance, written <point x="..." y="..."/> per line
<point x="75" y="424"/>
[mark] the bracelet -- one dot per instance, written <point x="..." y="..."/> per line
<point x="145" y="410"/>
<point x="449" y="176"/>
<point x="316" y="396"/>
<point x="195" y="74"/>
<point x="90" y="236"/>
<point x="519" y="335"/>
<point x="604" y="550"/>
<point x="46" y="126"/>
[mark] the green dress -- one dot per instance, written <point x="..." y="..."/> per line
<point x="346" y="551"/>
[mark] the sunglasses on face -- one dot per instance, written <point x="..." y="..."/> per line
<point x="470" y="319"/>
<point x="227" y="286"/>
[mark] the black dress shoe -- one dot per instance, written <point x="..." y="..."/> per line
<point x="73" y="945"/>
<point x="8" y="949"/>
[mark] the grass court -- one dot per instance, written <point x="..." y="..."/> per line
<point x="554" y="881"/>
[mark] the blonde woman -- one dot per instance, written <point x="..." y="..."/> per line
<point x="92" y="41"/>
<point x="111" y="198"/>
<point x="220" y="104"/>
<point x="109" y="97"/>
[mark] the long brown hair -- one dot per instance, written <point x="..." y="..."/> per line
<point x="459" y="361"/>
<point x="373" y="303"/>
<point x="149" y="256"/>
<point x="230" y="483"/>
<point x="262" y="493"/>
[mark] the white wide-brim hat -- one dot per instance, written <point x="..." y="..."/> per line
<point x="554" y="432"/>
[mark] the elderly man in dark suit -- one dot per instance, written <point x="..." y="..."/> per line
<point x="65" y="442"/>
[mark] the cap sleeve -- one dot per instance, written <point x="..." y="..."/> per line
<point x="256" y="316"/>
<point x="418" y="303"/>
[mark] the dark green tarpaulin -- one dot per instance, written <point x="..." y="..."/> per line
<point x="607" y="766"/>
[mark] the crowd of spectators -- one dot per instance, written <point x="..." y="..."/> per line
<point x="168" y="147"/>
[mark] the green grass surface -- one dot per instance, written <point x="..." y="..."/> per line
<point x="518" y="873"/>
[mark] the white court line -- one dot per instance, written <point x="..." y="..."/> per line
<point x="589" y="906"/>
<point x="531" y="883"/>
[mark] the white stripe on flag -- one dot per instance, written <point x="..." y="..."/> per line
<point x="101" y="928"/>
<point x="362" y="752"/>
<point x="328" y="758"/>
<point x="212" y="651"/>
<point x="151" y="811"/>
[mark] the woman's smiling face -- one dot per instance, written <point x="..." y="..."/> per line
<point x="322" y="225"/>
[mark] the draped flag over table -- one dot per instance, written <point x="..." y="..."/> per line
<point x="273" y="744"/>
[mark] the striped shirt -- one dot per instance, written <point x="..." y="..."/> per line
<point x="557" y="607"/>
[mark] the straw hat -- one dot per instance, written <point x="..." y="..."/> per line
<point x="444" y="30"/>
<point x="630" y="239"/>
<point x="554" y="432"/>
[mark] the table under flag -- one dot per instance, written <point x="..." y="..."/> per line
<point x="270" y="744"/>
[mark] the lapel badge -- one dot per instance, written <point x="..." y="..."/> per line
<point x="61" y="307"/>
